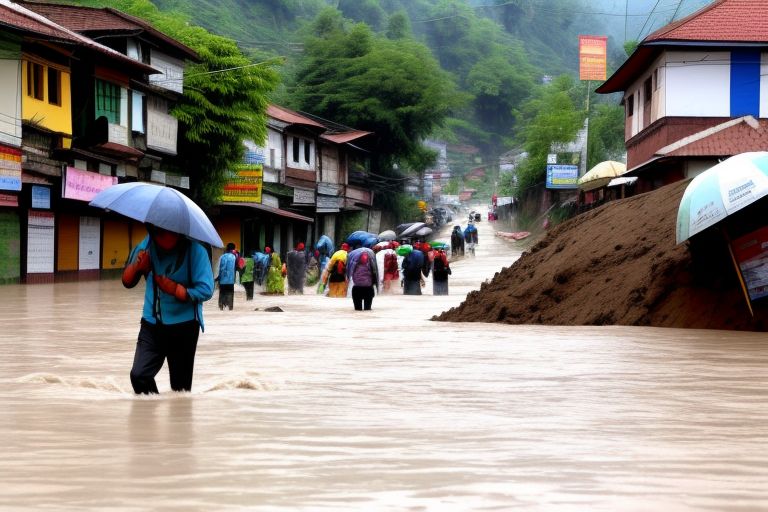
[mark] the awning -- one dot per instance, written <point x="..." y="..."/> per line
<point x="615" y="182"/>
<point x="271" y="209"/>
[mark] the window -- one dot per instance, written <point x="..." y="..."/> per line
<point x="647" y="91"/>
<point x="295" y="149"/>
<point x="54" y="86"/>
<point x="307" y="147"/>
<point x="35" y="81"/>
<point x="631" y="105"/>
<point x="108" y="101"/>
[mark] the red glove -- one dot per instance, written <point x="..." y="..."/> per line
<point x="171" y="287"/>
<point x="140" y="267"/>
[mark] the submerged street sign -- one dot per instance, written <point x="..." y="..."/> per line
<point x="562" y="176"/>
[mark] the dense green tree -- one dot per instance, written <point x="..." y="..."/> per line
<point x="398" y="26"/>
<point x="393" y="88"/>
<point x="549" y="117"/>
<point x="606" y="134"/>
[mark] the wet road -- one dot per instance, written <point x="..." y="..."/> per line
<point x="324" y="408"/>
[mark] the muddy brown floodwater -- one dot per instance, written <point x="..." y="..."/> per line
<point x="324" y="408"/>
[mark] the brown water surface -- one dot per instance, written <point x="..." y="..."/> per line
<point x="324" y="408"/>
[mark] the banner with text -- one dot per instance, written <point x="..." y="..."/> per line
<point x="84" y="185"/>
<point x="593" y="57"/>
<point x="244" y="184"/>
<point x="10" y="168"/>
<point x="562" y="176"/>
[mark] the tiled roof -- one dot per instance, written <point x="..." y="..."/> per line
<point x="19" y="18"/>
<point x="343" y="138"/>
<point x="721" y="21"/>
<point x="87" y="20"/>
<point x="726" y="139"/>
<point x="290" y="117"/>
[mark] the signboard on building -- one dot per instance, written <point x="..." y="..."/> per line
<point x="171" y="76"/>
<point x="303" y="196"/>
<point x="157" y="176"/>
<point x="10" y="168"/>
<point x="328" y="189"/>
<point x="562" y="176"/>
<point x="244" y="184"/>
<point x="593" y="57"/>
<point x="751" y="254"/>
<point x="9" y="200"/>
<point x="40" y="242"/>
<point x="84" y="185"/>
<point x="254" y="154"/>
<point x="328" y="204"/>
<point x="162" y="130"/>
<point x="41" y="197"/>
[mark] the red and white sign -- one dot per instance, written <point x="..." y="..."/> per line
<point x="593" y="57"/>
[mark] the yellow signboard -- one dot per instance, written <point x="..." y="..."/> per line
<point x="244" y="184"/>
<point x="593" y="57"/>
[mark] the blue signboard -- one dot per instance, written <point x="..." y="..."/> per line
<point x="562" y="176"/>
<point x="41" y="197"/>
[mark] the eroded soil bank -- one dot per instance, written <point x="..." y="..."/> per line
<point x="618" y="264"/>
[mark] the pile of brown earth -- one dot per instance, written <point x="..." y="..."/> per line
<point x="618" y="265"/>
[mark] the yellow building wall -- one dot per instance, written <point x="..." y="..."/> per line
<point x="57" y="118"/>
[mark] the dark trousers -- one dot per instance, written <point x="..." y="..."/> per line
<point x="362" y="297"/>
<point x="248" y="290"/>
<point x="226" y="296"/>
<point x="175" y="342"/>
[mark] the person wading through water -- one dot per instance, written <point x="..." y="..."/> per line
<point x="178" y="280"/>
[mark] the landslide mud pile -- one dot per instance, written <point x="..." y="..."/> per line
<point x="618" y="265"/>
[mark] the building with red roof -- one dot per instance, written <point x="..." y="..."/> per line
<point x="695" y="91"/>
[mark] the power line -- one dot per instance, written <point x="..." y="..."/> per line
<point x="648" y="19"/>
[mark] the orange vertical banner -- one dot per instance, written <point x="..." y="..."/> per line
<point x="593" y="57"/>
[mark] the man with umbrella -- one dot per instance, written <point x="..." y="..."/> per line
<point x="179" y="279"/>
<point x="177" y="269"/>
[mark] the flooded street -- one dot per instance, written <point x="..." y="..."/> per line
<point x="324" y="408"/>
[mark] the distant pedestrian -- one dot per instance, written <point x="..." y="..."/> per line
<point x="275" y="282"/>
<point x="246" y="278"/>
<point x="457" y="241"/>
<point x="173" y="306"/>
<point x="335" y="276"/>
<point x="296" y="268"/>
<point x="362" y="270"/>
<point x="413" y="272"/>
<point x="440" y="272"/>
<point x="390" y="270"/>
<point x="226" y="278"/>
<point x="261" y="261"/>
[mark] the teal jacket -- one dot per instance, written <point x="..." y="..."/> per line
<point x="190" y="267"/>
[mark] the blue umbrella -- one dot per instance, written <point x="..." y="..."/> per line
<point x="163" y="207"/>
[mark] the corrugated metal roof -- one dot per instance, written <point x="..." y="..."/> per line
<point x="17" y="17"/>
<point x="90" y="19"/>
<point x="290" y="117"/>
<point x="343" y="138"/>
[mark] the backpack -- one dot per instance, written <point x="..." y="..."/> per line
<point x="362" y="275"/>
<point x="441" y="268"/>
